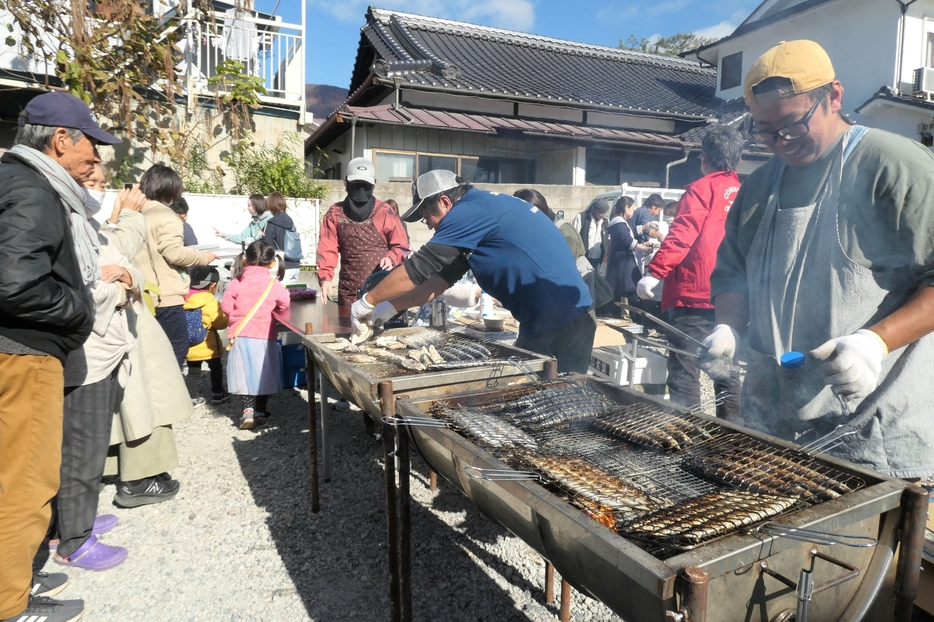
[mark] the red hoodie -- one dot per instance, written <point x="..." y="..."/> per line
<point x="689" y="251"/>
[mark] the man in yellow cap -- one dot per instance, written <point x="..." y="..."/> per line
<point x="827" y="267"/>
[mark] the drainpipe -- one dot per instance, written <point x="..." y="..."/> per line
<point x="901" y="44"/>
<point x="674" y="163"/>
<point x="353" y="137"/>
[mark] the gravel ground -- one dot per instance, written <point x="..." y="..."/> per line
<point x="240" y="542"/>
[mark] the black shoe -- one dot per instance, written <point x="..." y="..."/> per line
<point x="154" y="489"/>
<point x="48" y="610"/>
<point x="219" y="398"/>
<point x="45" y="584"/>
<point x="262" y="419"/>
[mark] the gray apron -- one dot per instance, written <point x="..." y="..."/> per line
<point x="803" y="291"/>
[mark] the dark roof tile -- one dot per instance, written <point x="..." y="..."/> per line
<point x="467" y="57"/>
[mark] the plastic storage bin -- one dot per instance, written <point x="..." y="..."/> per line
<point x="293" y="365"/>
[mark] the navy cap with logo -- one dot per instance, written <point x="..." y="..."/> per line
<point x="59" y="109"/>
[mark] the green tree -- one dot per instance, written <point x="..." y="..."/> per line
<point x="122" y="61"/>
<point x="264" y="170"/>
<point x="666" y="46"/>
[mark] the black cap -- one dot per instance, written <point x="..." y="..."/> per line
<point x="58" y="109"/>
<point x="203" y="276"/>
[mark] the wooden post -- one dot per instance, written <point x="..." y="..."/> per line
<point x="310" y="374"/>
<point x="549" y="582"/>
<point x="405" y="521"/>
<point x="564" y="614"/>
<point x="433" y="479"/>
<point x="908" y="572"/>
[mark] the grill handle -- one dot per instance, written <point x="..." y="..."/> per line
<point x="499" y="475"/>
<point x="815" y="537"/>
<point x="418" y="422"/>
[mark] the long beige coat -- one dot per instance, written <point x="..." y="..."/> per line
<point x="152" y="390"/>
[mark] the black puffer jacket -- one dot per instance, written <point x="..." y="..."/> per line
<point x="274" y="233"/>
<point x="43" y="301"/>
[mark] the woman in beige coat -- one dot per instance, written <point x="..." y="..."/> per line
<point x="165" y="258"/>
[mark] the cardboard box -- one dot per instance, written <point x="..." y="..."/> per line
<point x="609" y="363"/>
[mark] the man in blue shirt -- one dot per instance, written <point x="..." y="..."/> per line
<point x="644" y="220"/>
<point x="516" y="254"/>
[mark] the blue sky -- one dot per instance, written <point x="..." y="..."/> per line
<point x="334" y="25"/>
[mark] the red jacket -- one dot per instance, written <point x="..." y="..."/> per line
<point x="689" y="251"/>
<point x="386" y="222"/>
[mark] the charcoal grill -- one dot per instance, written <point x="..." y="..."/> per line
<point x="751" y="572"/>
<point x="360" y="382"/>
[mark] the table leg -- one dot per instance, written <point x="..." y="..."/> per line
<point x="564" y="614"/>
<point x="310" y="374"/>
<point x="392" y="515"/>
<point x="549" y="582"/>
<point x="325" y="417"/>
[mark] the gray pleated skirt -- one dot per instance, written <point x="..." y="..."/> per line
<point x="253" y="367"/>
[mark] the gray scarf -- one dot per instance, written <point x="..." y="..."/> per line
<point x="75" y="197"/>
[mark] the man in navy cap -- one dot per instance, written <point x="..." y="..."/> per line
<point x="47" y="258"/>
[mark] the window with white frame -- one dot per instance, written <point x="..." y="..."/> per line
<point x="731" y="71"/>
<point x="402" y="166"/>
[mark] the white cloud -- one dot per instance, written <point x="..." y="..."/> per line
<point x="511" y="14"/>
<point x="670" y="6"/>
<point x="615" y="13"/>
<point x="717" y="31"/>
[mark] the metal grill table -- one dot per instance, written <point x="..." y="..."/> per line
<point x="739" y="576"/>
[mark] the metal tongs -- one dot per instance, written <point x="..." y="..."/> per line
<point x="418" y="422"/>
<point x="813" y="536"/>
<point x="500" y="475"/>
<point x="717" y="372"/>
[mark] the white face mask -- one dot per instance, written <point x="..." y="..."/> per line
<point x="93" y="202"/>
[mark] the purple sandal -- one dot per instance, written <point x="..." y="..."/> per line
<point x="102" y="524"/>
<point x="94" y="555"/>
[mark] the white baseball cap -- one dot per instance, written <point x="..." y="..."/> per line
<point x="361" y="169"/>
<point x="427" y="185"/>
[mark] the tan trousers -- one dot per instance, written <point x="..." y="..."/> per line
<point x="32" y="395"/>
<point x="148" y="456"/>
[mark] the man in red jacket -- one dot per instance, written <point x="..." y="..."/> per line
<point x="687" y="258"/>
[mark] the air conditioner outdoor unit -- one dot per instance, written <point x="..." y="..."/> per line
<point x="923" y="82"/>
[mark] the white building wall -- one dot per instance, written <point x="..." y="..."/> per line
<point x="861" y="37"/>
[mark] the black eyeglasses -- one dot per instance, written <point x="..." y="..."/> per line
<point x="792" y="131"/>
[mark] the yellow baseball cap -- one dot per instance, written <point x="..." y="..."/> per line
<point x="803" y="62"/>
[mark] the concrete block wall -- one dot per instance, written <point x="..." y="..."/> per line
<point x="571" y="199"/>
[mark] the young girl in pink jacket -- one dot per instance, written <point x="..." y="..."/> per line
<point x="250" y="300"/>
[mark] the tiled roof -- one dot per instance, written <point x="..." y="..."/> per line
<point x="886" y="93"/>
<point x="488" y="124"/>
<point x="437" y="54"/>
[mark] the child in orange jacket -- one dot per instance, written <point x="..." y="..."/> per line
<point x="204" y="280"/>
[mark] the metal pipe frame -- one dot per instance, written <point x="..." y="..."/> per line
<point x="908" y="572"/>
<point x="694" y="594"/>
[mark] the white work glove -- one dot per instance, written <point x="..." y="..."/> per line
<point x="365" y="316"/>
<point x="852" y="364"/>
<point x="716" y="357"/>
<point x="383" y="313"/>
<point x="645" y="286"/>
<point x="361" y="317"/>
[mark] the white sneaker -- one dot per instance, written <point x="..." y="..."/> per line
<point x="246" y="421"/>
